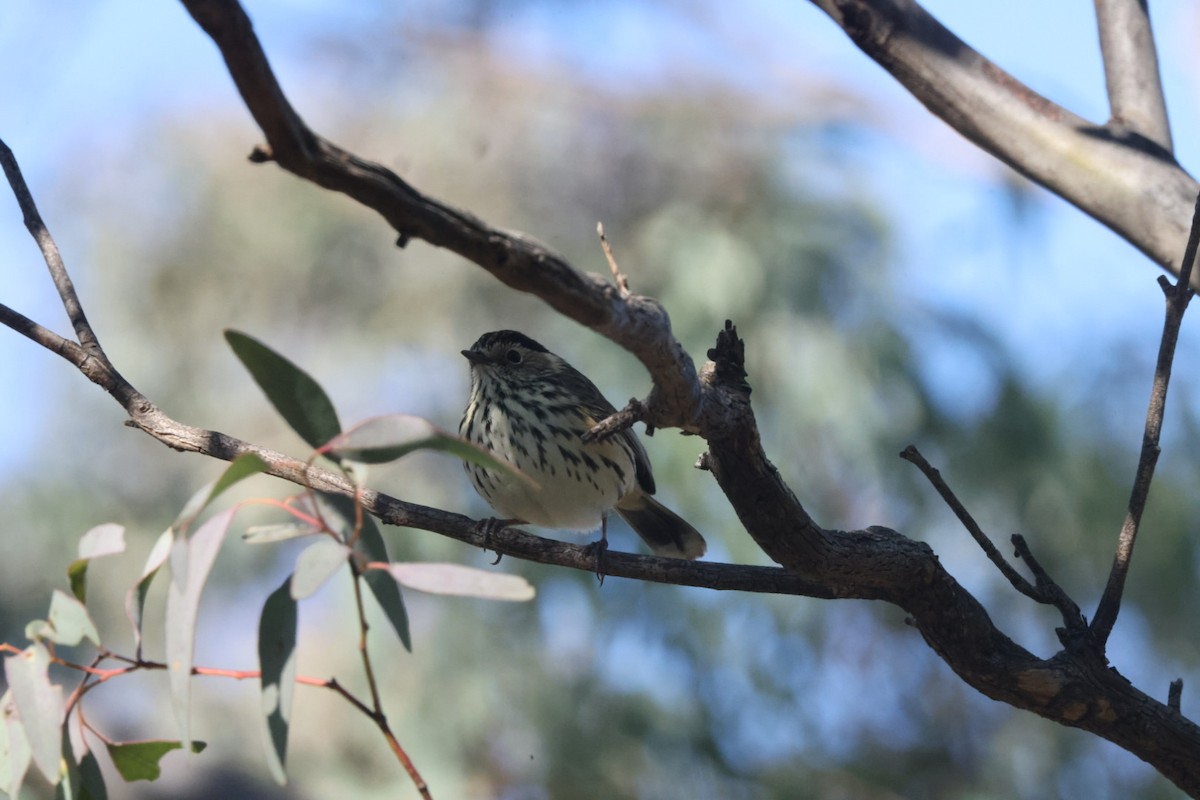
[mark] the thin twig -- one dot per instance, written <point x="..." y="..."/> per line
<point x="1018" y="581"/>
<point x="616" y="422"/>
<point x="619" y="278"/>
<point x="1177" y="298"/>
<point x="1175" y="694"/>
<point x="1050" y="592"/>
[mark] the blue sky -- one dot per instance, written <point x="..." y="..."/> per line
<point x="77" y="74"/>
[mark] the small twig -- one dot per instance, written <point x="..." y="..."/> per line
<point x="1175" y="694"/>
<point x="95" y="676"/>
<point x="1018" y="581"/>
<point x="1177" y="297"/>
<point x="1048" y="589"/>
<point x="613" y="424"/>
<point x="618" y="277"/>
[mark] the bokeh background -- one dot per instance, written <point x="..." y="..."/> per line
<point x="893" y="284"/>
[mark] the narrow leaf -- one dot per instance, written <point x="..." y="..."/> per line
<point x="387" y="438"/>
<point x="183" y="603"/>
<point x="102" y="540"/>
<point x="15" y="755"/>
<point x="135" y="599"/>
<point x="315" y="564"/>
<point x="39" y="704"/>
<point x="455" y="579"/>
<point x="298" y="398"/>
<point x="69" y="621"/>
<point x="279" y="532"/>
<point x="139" y="761"/>
<point x="277" y="665"/>
<point x="91" y="779"/>
<point x="240" y="468"/>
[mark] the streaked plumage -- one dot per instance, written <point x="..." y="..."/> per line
<point x="531" y="408"/>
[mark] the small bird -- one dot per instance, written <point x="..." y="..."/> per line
<point x="531" y="408"/>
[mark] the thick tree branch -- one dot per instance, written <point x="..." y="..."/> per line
<point x="1135" y="93"/>
<point x="1122" y="178"/>
<point x="1076" y="687"/>
<point x="1177" y="297"/>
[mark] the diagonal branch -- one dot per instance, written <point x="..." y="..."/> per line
<point x="1135" y="93"/>
<point x="1177" y="298"/>
<point x="637" y="323"/>
<point x="53" y="259"/>
<point x="1018" y="581"/>
<point x="1123" y="179"/>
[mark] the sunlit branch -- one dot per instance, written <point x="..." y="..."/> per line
<point x="1135" y="93"/>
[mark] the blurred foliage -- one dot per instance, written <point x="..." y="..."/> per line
<point x="719" y="204"/>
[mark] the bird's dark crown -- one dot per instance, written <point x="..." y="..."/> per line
<point x="504" y="339"/>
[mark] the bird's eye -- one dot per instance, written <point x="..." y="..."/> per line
<point x="513" y="356"/>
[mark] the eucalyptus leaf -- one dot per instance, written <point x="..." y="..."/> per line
<point x="39" y="704"/>
<point x="15" y="755"/>
<point x="183" y="604"/>
<point x="315" y="564"/>
<point x="392" y="436"/>
<point x="277" y="665"/>
<point x="298" y="398"/>
<point x="139" y="761"/>
<point x="455" y="579"/>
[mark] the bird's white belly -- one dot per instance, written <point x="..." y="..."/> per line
<point x="576" y="484"/>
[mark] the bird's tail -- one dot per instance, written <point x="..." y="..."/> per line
<point x="667" y="533"/>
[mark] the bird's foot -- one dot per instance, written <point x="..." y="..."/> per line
<point x="487" y="528"/>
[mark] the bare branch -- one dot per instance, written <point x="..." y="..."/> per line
<point x="1177" y="298"/>
<point x="41" y="235"/>
<point x="1053" y="594"/>
<point x="1135" y="93"/>
<point x="1018" y="581"/>
<point x="637" y="323"/>
<point x="1124" y="180"/>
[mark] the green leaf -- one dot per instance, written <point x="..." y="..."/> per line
<point x="315" y="564"/>
<point x="387" y="438"/>
<point x="370" y="543"/>
<point x="15" y="754"/>
<point x="455" y="579"/>
<point x="102" y="540"/>
<point x="277" y="665"/>
<point x="242" y="467"/>
<point x="69" y="621"/>
<point x="135" y="599"/>
<point x="183" y="604"/>
<point x="91" y="779"/>
<point x="295" y="395"/>
<point x="138" y="761"/>
<point x="39" y="705"/>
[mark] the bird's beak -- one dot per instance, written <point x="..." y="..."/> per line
<point x="475" y="357"/>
